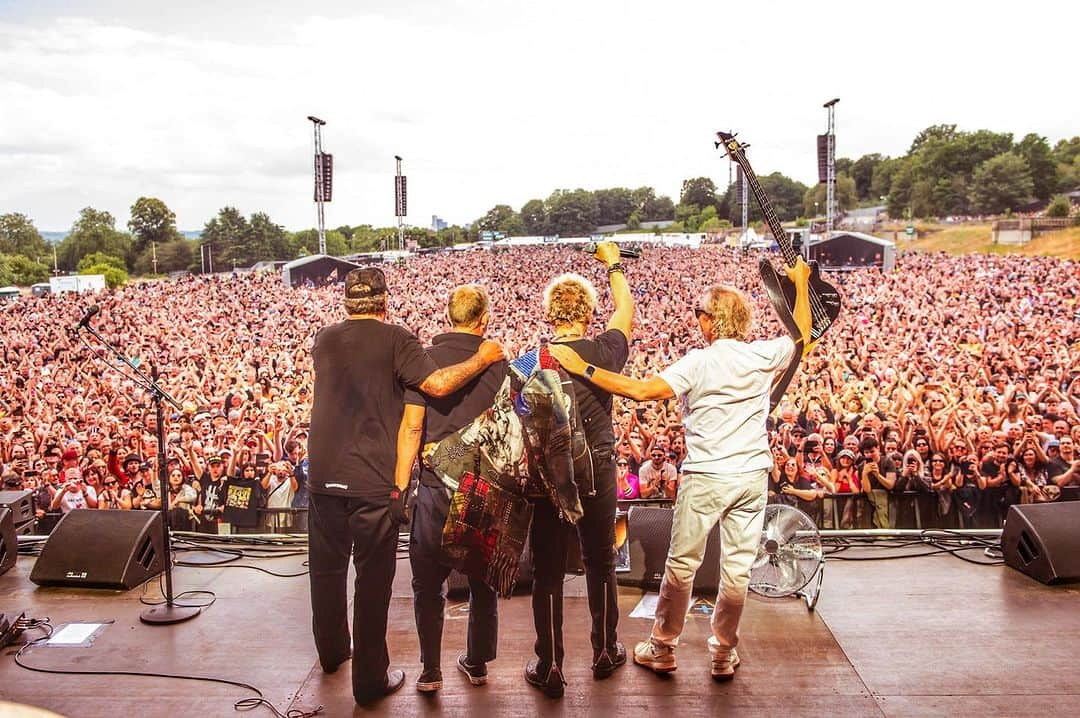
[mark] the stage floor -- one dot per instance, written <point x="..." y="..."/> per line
<point x="920" y="637"/>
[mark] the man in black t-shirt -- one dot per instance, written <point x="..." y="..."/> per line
<point x="362" y="366"/>
<point x="425" y="420"/>
<point x="878" y="479"/>
<point x="569" y="303"/>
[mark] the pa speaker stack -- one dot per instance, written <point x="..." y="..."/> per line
<point x="102" y="549"/>
<point x="1043" y="541"/>
<point x="16" y="519"/>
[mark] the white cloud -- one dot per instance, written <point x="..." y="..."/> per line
<point x="488" y="102"/>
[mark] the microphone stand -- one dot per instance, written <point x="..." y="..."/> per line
<point x="170" y="612"/>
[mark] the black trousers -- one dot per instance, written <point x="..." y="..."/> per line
<point x="339" y="527"/>
<point x="548" y="540"/>
<point x="430" y="568"/>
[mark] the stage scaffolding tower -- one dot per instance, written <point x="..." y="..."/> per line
<point x="321" y="172"/>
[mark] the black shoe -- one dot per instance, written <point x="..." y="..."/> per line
<point x="550" y="681"/>
<point x="477" y="674"/>
<point x="395" y="679"/>
<point x="429" y="681"/>
<point x="608" y="661"/>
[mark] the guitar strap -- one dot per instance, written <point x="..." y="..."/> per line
<point x="771" y="279"/>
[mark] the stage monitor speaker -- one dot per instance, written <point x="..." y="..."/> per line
<point x="650" y="537"/>
<point x="21" y="504"/>
<point x="1042" y="541"/>
<point x="9" y="545"/>
<point x="102" y="549"/>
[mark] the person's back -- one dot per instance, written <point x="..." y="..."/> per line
<point x="360" y="366"/>
<point x="726" y="388"/>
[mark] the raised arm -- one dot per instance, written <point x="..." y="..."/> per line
<point x="623" y="316"/>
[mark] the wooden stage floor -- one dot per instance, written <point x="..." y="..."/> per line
<point x="920" y="637"/>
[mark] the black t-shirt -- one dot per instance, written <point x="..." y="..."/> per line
<point x="445" y="415"/>
<point x="607" y="351"/>
<point x="211" y="495"/>
<point x="241" y="502"/>
<point x="360" y="369"/>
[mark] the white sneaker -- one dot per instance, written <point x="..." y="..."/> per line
<point x="658" y="658"/>
<point x="724" y="665"/>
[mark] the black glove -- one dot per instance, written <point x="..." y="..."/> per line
<point x="398" y="511"/>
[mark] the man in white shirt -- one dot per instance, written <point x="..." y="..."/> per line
<point x="74" y="494"/>
<point x="658" y="478"/>
<point x="725" y="392"/>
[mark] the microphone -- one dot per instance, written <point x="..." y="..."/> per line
<point x="624" y="252"/>
<point x="90" y="314"/>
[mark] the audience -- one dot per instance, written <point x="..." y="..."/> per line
<point x="969" y="364"/>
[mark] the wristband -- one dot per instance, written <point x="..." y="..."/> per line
<point x="589" y="371"/>
<point x="617" y="267"/>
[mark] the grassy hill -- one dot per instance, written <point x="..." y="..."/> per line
<point x="962" y="239"/>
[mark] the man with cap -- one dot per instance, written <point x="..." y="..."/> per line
<point x="211" y="485"/>
<point x="362" y="366"/>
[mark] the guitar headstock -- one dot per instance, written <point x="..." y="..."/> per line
<point x="731" y="145"/>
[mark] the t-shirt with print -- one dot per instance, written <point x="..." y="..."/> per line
<point x="361" y="369"/>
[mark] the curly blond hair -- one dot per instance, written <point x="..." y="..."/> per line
<point x="569" y="298"/>
<point x="729" y="310"/>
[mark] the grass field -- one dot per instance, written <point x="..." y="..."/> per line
<point x="962" y="239"/>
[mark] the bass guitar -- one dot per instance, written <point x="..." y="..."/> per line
<point x="824" y="298"/>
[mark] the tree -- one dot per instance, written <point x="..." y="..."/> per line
<point x="844" y="165"/>
<point x="21" y="271"/>
<point x="815" y="197"/>
<point x="100" y="259"/>
<point x="651" y="208"/>
<point x="93" y="231"/>
<point x="502" y="218"/>
<point x="572" y="213"/>
<point x="114" y="276"/>
<point x="615" y="205"/>
<point x="1040" y="160"/>
<point x="175" y="256"/>
<point x="1059" y="207"/>
<point x="267" y="241"/>
<point x="862" y="171"/>
<point x="151" y="221"/>
<point x="306" y="242"/>
<point x="700" y="191"/>
<point x="18" y="235"/>
<point x="786" y="196"/>
<point x="224" y="234"/>
<point x="534" y="216"/>
<point x="1001" y="183"/>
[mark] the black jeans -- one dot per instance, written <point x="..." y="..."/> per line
<point x="548" y="540"/>
<point x="340" y="526"/>
<point x="430" y="567"/>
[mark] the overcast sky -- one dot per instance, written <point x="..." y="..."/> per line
<point x="203" y="104"/>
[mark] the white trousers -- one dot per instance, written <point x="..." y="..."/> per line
<point x="738" y="503"/>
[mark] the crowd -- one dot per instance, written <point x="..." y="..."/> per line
<point x="947" y="390"/>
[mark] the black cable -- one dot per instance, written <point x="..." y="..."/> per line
<point x="244" y="704"/>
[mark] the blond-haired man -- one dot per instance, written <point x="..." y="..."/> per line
<point x="725" y="392"/>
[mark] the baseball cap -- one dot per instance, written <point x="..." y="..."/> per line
<point x="365" y="283"/>
<point x="214" y="460"/>
<point x="846" y="452"/>
<point x="1053" y="442"/>
<point x="70" y="455"/>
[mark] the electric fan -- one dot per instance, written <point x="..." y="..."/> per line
<point x="789" y="557"/>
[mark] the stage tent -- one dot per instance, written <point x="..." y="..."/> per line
<point x="852" y="250"/>
<point x="316" y="270"/>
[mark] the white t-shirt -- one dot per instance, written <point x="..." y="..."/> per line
<point x="76" y="500"/>
<point x="725" y="394"/>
